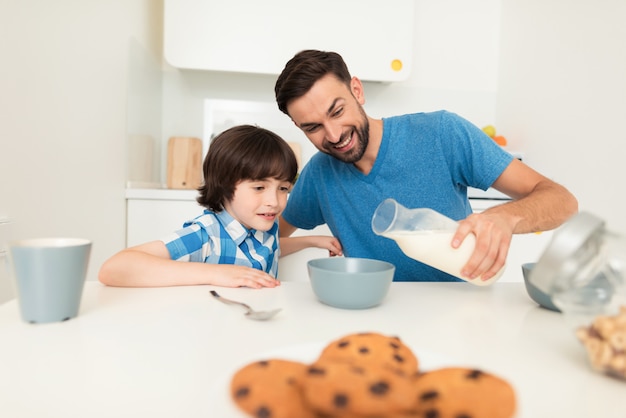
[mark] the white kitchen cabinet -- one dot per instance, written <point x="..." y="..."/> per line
<point x="293" y="266"/>
<point x="153" y="214"/>
<point x="525" y="248"/>
<point x="250" y="36"/>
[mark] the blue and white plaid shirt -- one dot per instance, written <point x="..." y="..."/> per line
<point x="217" y="238"/>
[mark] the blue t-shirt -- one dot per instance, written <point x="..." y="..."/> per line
<point x="217" y="238"/>
<point x="425" y="160"/>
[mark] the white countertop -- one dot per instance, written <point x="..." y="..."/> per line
<point x="150" y="193"/>
<point x="162" y="194"/>
<point x="169" y="352"/>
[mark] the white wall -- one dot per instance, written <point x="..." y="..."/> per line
<point x="63" y="95"/>
<point x="562" y="95"/>
<point x="548" y="74"/>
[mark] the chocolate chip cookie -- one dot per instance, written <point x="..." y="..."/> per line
<point x="372" y="348"/>
<point x="345" y="389"/>
<point x="458" y="392"/>
<point x="270" y="389"/>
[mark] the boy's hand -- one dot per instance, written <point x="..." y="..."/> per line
<point x="227" y="275"/>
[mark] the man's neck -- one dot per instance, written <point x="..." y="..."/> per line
<point x="366" y="163"/>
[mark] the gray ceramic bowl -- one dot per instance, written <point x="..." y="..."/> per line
<point x="350" y="283"/>
<point x="543" y="299"/>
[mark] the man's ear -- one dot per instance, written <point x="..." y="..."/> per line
<point x="356" y="87"/>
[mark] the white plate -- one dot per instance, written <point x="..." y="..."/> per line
<point x="224" y="407"/>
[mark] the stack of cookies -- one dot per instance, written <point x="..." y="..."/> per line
<point x="368" y="375"/>
<point x="605" y="341"/>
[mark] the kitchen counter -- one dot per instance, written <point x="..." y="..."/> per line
<point x="154" y="213"/>
<point x="162" y="194"/>
<point x="166" y="352"/>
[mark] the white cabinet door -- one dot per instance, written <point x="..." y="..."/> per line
<point x="293" y="267"/>
<point x="525" y="248"/>
<point x="149" y="220"/>
<point x="252" y="36"/>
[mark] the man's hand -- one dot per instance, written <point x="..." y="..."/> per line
<point x="493" y="239"/>
<point x="538" y="204"/>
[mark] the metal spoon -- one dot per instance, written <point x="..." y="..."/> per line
<point x="251" y="313"/>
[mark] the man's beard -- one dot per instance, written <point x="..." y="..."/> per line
<point x="357" y="151"/>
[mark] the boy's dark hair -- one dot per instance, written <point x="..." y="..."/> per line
<point x="303" y="70"/>
<point x="244" y="152"/>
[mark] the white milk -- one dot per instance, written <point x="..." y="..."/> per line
<point x="435" y="249"/>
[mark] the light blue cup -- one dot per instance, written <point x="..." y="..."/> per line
<point x="350" y="283"/>
<point x="49" y="275"/>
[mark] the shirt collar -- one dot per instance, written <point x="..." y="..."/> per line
<point x="236" y="230"/>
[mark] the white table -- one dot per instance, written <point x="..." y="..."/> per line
<point x="164" y="352"/>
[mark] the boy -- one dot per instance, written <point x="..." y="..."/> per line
<point x="248" y="173"/>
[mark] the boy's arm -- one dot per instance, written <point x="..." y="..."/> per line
<point x="149" y="265"/>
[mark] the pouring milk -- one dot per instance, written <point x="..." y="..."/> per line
<point x="426" y="235"/>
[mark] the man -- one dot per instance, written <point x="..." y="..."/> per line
<point x="421" y="160"/>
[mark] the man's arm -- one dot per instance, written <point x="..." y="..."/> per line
<point x="290" y="245"/>
<point x="538" y="204"/>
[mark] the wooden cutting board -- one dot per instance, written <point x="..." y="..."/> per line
<point x="184" y="163"/>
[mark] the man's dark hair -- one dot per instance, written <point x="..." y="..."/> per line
<point x="303" y="70"/>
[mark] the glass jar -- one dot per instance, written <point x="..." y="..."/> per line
<point x="583" y="269"/>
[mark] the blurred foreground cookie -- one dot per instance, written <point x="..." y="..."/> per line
<point x="270" y="389"/>
<point x="605" y="342"/>
<point x="343" y="389"/>
<point x="461" y="392"/>
<point x="371" y="349"/>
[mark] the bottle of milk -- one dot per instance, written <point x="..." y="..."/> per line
<point x="426" y="235"/>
